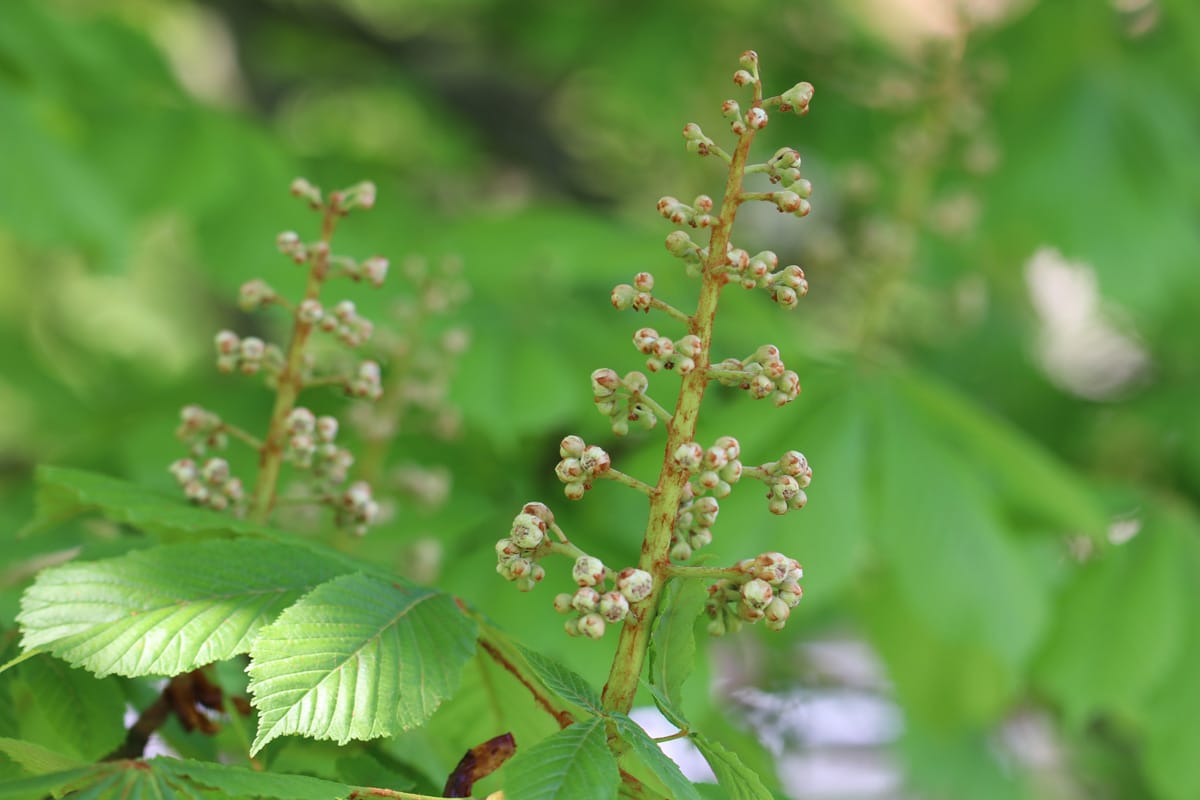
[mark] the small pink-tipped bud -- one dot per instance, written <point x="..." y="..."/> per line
<point x="364" y="195"/>
<point x="689" y="456"/>
<point x="345" y="311"/>
<point x="562" y="603"/>
<point x="679" y="243"/>
<point x="591" y="626"/>
<point x="301" y="420"/>
<point x="757" y="593"/>
<point x="742" y="78"/>
<point x="623" y="296"/>
<point x="215" y="471"/>
<point x="575" y="490"/>
<point x="748" y="59"/>
<point x="756" y="118"/>
<point x="327" y="428"/>
<point x="787" y="201"/>
<point x="571" y="446"/>
<point x="643" y="282"/>
<point x="375" y="270"/>
<point x="527" y="531"/>
<point x="797" y="98"/>
<point x="569" y="470"/>
<point x="541" y="511"/>
<point x="184" y="470"/>
<point x="613" y="606"/>
<point x="605" y="382"/>
<point x="635" y="584"/>
<point x="588" y="571"/>
<point x="310" y="311"/>
<point x="777" y="611"/>
<point x="227" y="342"/>
<point x="252" y="348"/>
<point x="636" y="382"/>
<point x="595" y="461"/>
<point x="644" y="339"/>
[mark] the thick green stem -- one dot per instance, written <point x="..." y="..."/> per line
<point x="288" y="385"/>
<point x="630" y="657"/>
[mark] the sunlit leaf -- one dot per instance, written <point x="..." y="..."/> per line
<point x="357" y="658"/>
<point x="168" y="609"/>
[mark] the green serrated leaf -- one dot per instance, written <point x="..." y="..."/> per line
<point x="650" y="754"/>
<point x="357" y="658"/>
<point x="741" y="782"/>
<point x="668" y="708"/>
<point x="36" y="759"/>
<point x="673" y="637"/>
<point x="573" y="764"/>
<point x="168" y="609"/>
<point x="566" y="683"/>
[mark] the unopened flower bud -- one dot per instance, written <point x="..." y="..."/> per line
<point x="622" y="296"/>
<point x="571" y="446"/>
<point x="591" y="626"/>
<point x="757" y="593"/>
<point x="563" y="602"/>
<point x="595" y="461"/>
<point x="327" y="428"/>
<point x="301" y="420"/>
<point x="613" y="606"/>
<point x="541" y="511"/>
<point x="756" y="118"/>
<point x="742" y="78"/>
<point x="679" y="243"/>
<point x="309" y="311"/>
<point x="227" y="342"/>
<point x="689" y="455"/>
<point x="585" y="600"/>
<point x="635" y="584"/>
<point x="588" y="571"/>
<point x="527" y="531"/>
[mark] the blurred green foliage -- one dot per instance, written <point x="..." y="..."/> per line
<point x="967" y="483"/>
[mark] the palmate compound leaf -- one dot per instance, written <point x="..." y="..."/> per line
<point x="573" y="764"/>
<point x="168" y="609"/>
<point x="357" y="658"/>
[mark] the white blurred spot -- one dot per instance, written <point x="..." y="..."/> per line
<point x="1079" y="347"/>
<point x="1122" y="530"/>
<point x="681" y="751"/>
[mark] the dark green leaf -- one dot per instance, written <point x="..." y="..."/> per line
<point x="573" y="764"/>
<point x="168" y="609"/>
<point x="741" y="782"/>
<point x="357" y="658"/>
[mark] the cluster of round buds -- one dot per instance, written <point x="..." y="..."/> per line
<point x="754" y="119"/>
<point x="343" y="321"/>
<point x="209" y="484"/>
<point x="200" y="430"/>
<point x="770" y="591"/>
<point x="784" y="168"/>
<point x="748" y="73"/>
<point x="761" y="271"/>
<point x="361" y="195"/>
<point x="306" y="191"/>
<point x="621" y="399"/>
<point x="308" y="435"/>
<point x="367" y="382"/>
<point x="356" y="508"/>
<point x="786" y="481"/>
<point x="373" y="270"/>
<point x="797" y="98"/>
<point x="790" y="202"/>
<point x="693" y="524"/>
<point x="593" y="607"/>
<point x="638" y="296"/>
<point x="290" y="245"/>
<point x="663" y="353"/>
<point x="517" y="553"/>
<point x="255" y="293"/>
<point x="713" y="470"/>
<point x="697" y="142"/>
<point x="248" y="355"/>
<point x="763" y="375"/>
<point x="697" y="215"/>
<point x="581" y="464"/>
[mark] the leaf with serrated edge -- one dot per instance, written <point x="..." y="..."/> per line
<point x="573" y="764"/>
<point x="357" y="658"/>
<point x="564" y="682"/>
<point x="650" y="754"/>
<point x="741" y="782"/>
<point x="168" y="609"/>
<point x="673" y="638"/>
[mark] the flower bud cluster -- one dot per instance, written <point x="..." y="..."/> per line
<point x="343" y="321"/>
<point x="621" y="399"/>
<point x="754" y="119"/>
<point x="356" y="508"/>
<point x="593" y="607"/>
<point x="360" y="195"/>
<point x="255" y="293"/>
<point x="697" y="215"/>
<point x="517" y="553"/>
<point x="763" y="375"/>
<point x="713" y="470"/>
<point x="290" y="245"/>
<point x="200" y="430"/>
<point x="760" y="271"/>
<point x="693" y="524"/>
<point x="581" y="464"/>
<point x="366" y="382"/>
<point x="797" y="98"/>
<point x="638" y="296"/>
<point x="697" y="142"/>
<point x="663" y="353"/>
<point x="786" y="481"/>
<point x="770" y="591"/>
<point x="248" y="355"/>
<point x="210" y="484"/>
<point x="680" y="245"/>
